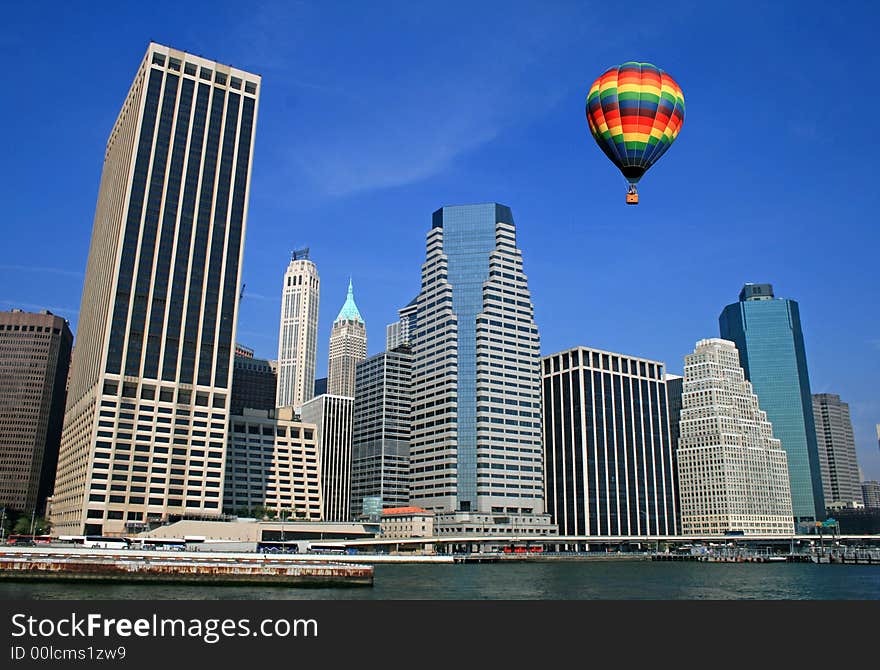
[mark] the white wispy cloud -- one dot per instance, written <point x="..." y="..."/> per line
<point x="41" y="270"/>
<point x="250" y="295"/>
<point x="36" y="307"/>
<point x="374" y="129"/>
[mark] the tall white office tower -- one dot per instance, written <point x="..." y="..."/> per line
<point x="732" y="472"/>
<point x="476" y="455"/>
<point x="298" y="337"/>
<point x="146" y="422"/>
<point x="348" y="347"/>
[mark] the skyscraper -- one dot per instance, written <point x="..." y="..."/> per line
<point x="332" y="416"/>
<point x="732" y="472"/>
<point x="674" y="385"/>
<point x="837" y="451"/>
<point x="348" y="347"/>
<point x="399" y="333"/>
<point x="380" y="444"/>
<point x="767" y="333"/>
<point x="34" y="360"/>
<point x="608" y="458"/>
<point x="146" y="421"/>
<point x="254" y="383"/>
<point x="476" y="445"/>
<point x="298" y="337"/>
<point x="871" y="494"/>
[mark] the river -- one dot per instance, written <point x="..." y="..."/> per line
<point x="620" y="579"/>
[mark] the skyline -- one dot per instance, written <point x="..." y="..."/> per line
<point x="353" y="155"/>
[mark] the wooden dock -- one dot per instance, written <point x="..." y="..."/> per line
<point x="38" y="564"/>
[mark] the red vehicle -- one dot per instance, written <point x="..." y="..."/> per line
<point x="510" y="549"/>
<point x="28" y="539"/>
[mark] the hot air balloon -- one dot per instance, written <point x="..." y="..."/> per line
<point x="635" y="112"/>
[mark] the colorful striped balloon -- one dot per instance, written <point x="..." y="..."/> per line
<point x="635" y="112"/>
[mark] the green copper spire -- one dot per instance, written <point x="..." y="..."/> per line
<point x="349" y="311"/>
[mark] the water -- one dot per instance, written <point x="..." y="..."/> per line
<point x="525" y="581"/>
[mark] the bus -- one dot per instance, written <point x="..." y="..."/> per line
<point x="102" y="542"/>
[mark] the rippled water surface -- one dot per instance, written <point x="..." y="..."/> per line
<point x="534" y="581"/>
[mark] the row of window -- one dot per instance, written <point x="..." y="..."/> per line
<point x="205" y="73"/>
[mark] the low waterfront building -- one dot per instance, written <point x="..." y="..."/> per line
<point x="272" y="463"/>
<point x="469" y="523"/>
<point x="249" y="534"/>
<point x="401" y="523"/>
<point x="733" y="474"/>
<point x="609" y="467"/>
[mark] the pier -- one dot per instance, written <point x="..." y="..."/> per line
<point x="59" y="564"/>
<point x="839" y="556"/>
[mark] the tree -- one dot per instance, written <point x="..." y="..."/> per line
<point x="23" y="525"/>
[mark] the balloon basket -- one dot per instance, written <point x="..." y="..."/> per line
<point x="632" y="198"/>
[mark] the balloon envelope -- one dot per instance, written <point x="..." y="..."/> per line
<point x="635" y="112"/>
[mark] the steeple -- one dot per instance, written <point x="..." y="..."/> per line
<point x="349" y="311"/>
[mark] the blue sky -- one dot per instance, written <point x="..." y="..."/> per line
<point x="373" y="115"/>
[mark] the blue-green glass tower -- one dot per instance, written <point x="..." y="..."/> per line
<point x="767" y="332"/>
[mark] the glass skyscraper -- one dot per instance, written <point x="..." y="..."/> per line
<point x="476" y="445"/>
<point x="767" y="333"/>
<point x="146" y="421"/>
<point x="380" y="443"/>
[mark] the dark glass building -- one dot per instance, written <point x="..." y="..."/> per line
<point x="147" y="411"/>
<point x="767" y="332"/>
<point x="609" y="462"/>
<point x="254" y="381"/>
<point x="380" y="443"/>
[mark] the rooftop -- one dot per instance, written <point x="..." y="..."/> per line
<point x="349" y="311"/>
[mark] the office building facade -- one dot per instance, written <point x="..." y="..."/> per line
<point x="332" y="416"/>
<point x="609" y="467"/>
<point x="399" y="333"/>
<point x="841" y="485"/>
<point x="732" y="472"/>
<point x="145" y="427"/>
<point x="348" y="347"/>
<point x="298" y="337"/>
<point x="768" y="336"/>
<point x="380" y="443"/>
<point x="273" y="463"/>
<point x="476" y="442"/>
<point x="674" y="386"/>
<point x="871" y="494"/>
<point x="34" y="361"/>
<point x="254" y="384"/>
